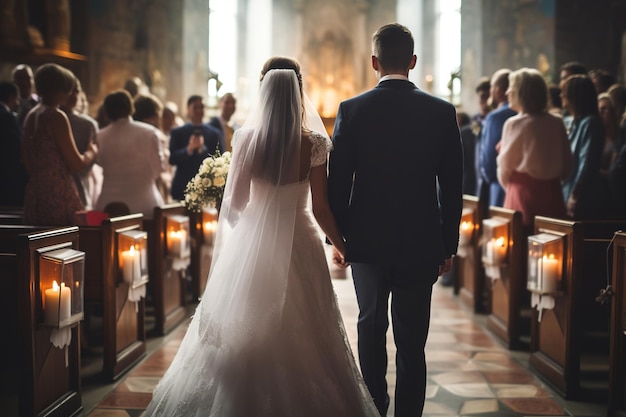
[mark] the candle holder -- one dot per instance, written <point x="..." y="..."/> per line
<point x="177" y="236"/>
<point x="132" y="254"/>
<point x="61" y="279"/>
<point x="466" y="227"/>
<point x="545" y="263"/>
<point x="209" y="224"/>
<point x="495" y="241"/>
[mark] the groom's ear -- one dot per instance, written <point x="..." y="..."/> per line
<point x="375" y="63"/>
<point x="413" y="62"/>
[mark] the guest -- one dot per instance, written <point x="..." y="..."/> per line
<point x="190" y="144"/>
<point x="534" y="154"/>
<point x="227" y="106"/>
<point x="131" y="158"/>
<point x="483" y="92"/>
<point x="13" y="177"/>
<point x="572" y="68"/>
<point x="148" y="109"/>
<point x="469" y="148"/>
<point x="84" y="130"/>
<point x="101" y="117"/>
<point x="618" y="95"/>
<point x="23" y="78"/>
<point x="616" y="178"/>
<point x="49" y="153"/>
<point x="490" y="189"/>
<point x="555" y="106"/>
<point x="601" y="79"/>
<point x="170" y="118"/>
<point x="583" y="191"/>
<point x="608" y="115"/>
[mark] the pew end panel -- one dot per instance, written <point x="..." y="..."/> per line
<point x="123" y="320"/>
<point x="469" y="280"/>
<point x="168" y="273"/>
<point x="49" y="377"/>
<point x="505" y="270"/>
<point x="617" y="355"/>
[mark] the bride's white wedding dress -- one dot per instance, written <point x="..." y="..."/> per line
<point x="264" y="345"/>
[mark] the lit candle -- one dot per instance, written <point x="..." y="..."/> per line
<point x="131" y="265"/>
<point x="465" y="235"/>
<point x="58" y="304"/>
<point x="550" y="273"/>
<point x="497" y="250"/>
<point x="177" y="242"/>
<point x="209" y="229"/>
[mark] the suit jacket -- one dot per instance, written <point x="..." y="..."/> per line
<point x="13" y="176"/>
<point x="187" y="165"/>
<point x="395" y="176"/>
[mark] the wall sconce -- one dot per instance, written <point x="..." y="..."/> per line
<point x="545" y="263"/>
<point x="132" y="249"/>
<point x="496" y="241"/>
<point x="209" y="224"/>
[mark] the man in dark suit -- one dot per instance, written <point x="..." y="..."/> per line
<point x="13" y="176"/>
<point x="395" y="188"/>
<point x="227" y="106"/>
<point x="190" y="144"/>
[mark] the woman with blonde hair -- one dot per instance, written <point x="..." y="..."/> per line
<point x="534" y="153"/>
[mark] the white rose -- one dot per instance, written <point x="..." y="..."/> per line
<point x="219" y="171"/>
<point x="219" y="181"/>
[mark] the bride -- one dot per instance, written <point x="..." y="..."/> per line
<point x="267" y="338"/>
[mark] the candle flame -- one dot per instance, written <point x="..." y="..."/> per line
<point x="55" y="286"/>
<point x="467" y="225"/>
<point x="500" y="241"/>
<point x="132" y="250"/>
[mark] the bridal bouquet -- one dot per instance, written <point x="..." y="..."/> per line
<point x="207" y="187"/>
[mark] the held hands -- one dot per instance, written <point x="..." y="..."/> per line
<point x="339" y="259"/>
<point x="445" y="267"/>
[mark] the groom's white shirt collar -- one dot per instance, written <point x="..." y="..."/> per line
<point x="393" y="77"/>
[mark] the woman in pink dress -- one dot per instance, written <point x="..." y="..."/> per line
<point x="535" y="153"/>
<point x="50" y="154"/>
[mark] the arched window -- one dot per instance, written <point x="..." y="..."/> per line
<point x="448" y="49"/>
<point x="222" y="46"/>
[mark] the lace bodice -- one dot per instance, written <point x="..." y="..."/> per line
<point x="321" y="147"/>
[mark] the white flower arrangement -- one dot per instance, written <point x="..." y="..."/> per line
<point x="207" y="187"/>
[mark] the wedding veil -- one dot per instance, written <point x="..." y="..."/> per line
<point x="251" y="261"/>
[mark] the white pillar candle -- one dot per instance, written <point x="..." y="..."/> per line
<point x="550" y="273"/>
<point x="209" y="231"/>
<point x="175" y="242"/>
<point x="131" y="265"/>
<point x="465" y="233"/>
<point x="499" y="250"/>
<point x="58" y="304"/>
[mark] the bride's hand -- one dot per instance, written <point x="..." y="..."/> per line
<point x="338" y="259"/>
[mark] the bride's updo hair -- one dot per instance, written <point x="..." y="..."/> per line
<point x="281" y="62"/>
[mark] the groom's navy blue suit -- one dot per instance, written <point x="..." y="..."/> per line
<point x="395" y="188"/>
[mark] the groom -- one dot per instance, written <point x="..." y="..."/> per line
<point x="395" y="188"/>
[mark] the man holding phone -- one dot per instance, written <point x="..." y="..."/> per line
<point x="190" y="144"/>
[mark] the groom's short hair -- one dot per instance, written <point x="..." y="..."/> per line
<point x="393" y="46"/>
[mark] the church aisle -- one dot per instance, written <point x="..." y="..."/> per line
<point x="469" y="373"/>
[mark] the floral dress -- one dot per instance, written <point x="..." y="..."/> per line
<point x="51" y="194"/>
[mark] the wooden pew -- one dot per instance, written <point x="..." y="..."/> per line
<point x="507" y="290"/>
<point x="617" y="356"/>
<point x="203" y="228"/>
<point x="123" y="325"/>
<point x="37" y="379"/>
<point x="570" y="344"/>
<point x="168" y="275"/>
<point x="469" y="276"/>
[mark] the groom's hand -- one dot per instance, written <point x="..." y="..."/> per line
<point x="445" y="267"/>
<point x="339" y="260"/>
